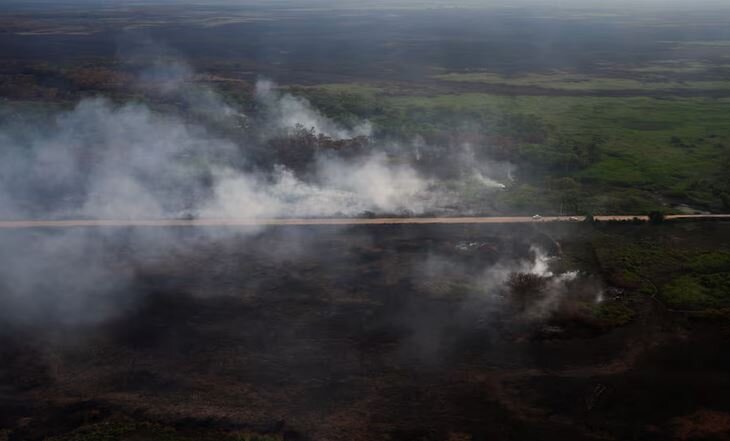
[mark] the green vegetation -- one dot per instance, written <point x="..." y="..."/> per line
<point x="699" y="291"/>
<point x="628" y="155"/>
<point x="710" y="262"/>
<point x="672" y="66"/>
<point x="656" y="218"/>
<point x="624" y="154"/>
<point x="687" y="276"/>
<point x="642" y="130"/>
<point x="707" y="43"/>
<point x="573" y="81"/>
<point x="613" y="314"/>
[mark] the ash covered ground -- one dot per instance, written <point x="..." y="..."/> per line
<point x="340" y="333"/>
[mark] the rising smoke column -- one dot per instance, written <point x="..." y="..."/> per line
<point x="285" y="113"/>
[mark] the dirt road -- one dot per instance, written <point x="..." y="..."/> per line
<point x="21" y="224"/>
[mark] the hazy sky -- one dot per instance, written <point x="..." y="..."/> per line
<point x="369" y="4"/>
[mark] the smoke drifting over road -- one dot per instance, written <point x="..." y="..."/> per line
<point x="107" y="160"/>
<point x="340" y="188"/>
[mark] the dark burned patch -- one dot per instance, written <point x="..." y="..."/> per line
<point x="340" y="338"/>
<point x="23" y="365"/>
<point x="96" y="420"/>
<point x="49" y="420"/>
<point x="664" y="384"/>
<point x="141" y="381"/>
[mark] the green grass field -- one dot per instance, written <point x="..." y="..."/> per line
<point x="572" y="81"/>
<point x="655" y="152"/>
<point x="671" y="263"/>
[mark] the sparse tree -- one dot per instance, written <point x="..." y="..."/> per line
<point x="525" y="287"/>
<point x="656" y="217"/>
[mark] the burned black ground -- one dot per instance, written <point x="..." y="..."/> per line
<point x="336" y="333"/>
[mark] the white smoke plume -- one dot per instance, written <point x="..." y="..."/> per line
<point x="339" y="188"/>
<point x="487" y="291"/>
<point x="286" y="113"/>
<point x="66" y="278"/>
<point x="101" y="160"/>
<point x="483" y="171"/>
<point x="107" y="160"/>
<point x="104" y="160"/>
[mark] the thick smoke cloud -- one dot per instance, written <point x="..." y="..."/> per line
<point x="286" y="113"/>
<point x="101" y="160"/>
<point x="107" y="160"/>
<point x="339" y="188"/>
<point x="68" y="278"/>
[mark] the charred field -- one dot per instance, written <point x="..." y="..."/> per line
<point x="387" y="332"/>
<point x="176" y="111"/>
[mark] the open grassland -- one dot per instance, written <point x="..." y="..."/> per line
<point x="686" y="266"/>
<point x="653" y="151"/>
<point x="688" y="71"/>
<point x="640" y="131"/>
<point x="572" y="81"/>
<point x="607" y="110"/>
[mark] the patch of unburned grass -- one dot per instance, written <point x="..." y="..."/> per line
<point x="695" y="291"/>
<point x="613" y="314"/>
<point x="702" y="43"/>
<point x="684" y="277"/>
<point x="652" y="149"/>
<point x="346" y="88"/>
<point x="670" y="66"/>
<point x="583" y="82"/>
<point x="638" y="131"/>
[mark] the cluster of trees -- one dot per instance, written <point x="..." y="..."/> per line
<point x="526" y="289"/>
<point x="711" y="191"/>
<point x="545" y="159"/>
<point x="43" y="81"/>
<point x="524" y="139"/>
<point x="561" y="154"/>
<point x="26" y="87"/>
<point x="297" y="149"/>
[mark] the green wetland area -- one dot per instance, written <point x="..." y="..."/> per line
<point x="529" y="329"/>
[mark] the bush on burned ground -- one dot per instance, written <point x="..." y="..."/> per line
<point x="525" y="287"/>
<point x="298" y="149"/>
<point x="656" y="217"/>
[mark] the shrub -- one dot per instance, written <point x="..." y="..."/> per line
<point x="656" y="217"/>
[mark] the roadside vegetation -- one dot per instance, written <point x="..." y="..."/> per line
<point x="679" y="265"/>
<point x="582" y="82"/>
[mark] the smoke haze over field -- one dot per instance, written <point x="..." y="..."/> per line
<point x="349" y="220"/>
<point x="286" y="113"/>
<point x="101" y="160"/>
<point x="81" y="277"/>
<point x="109" y="160"/>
